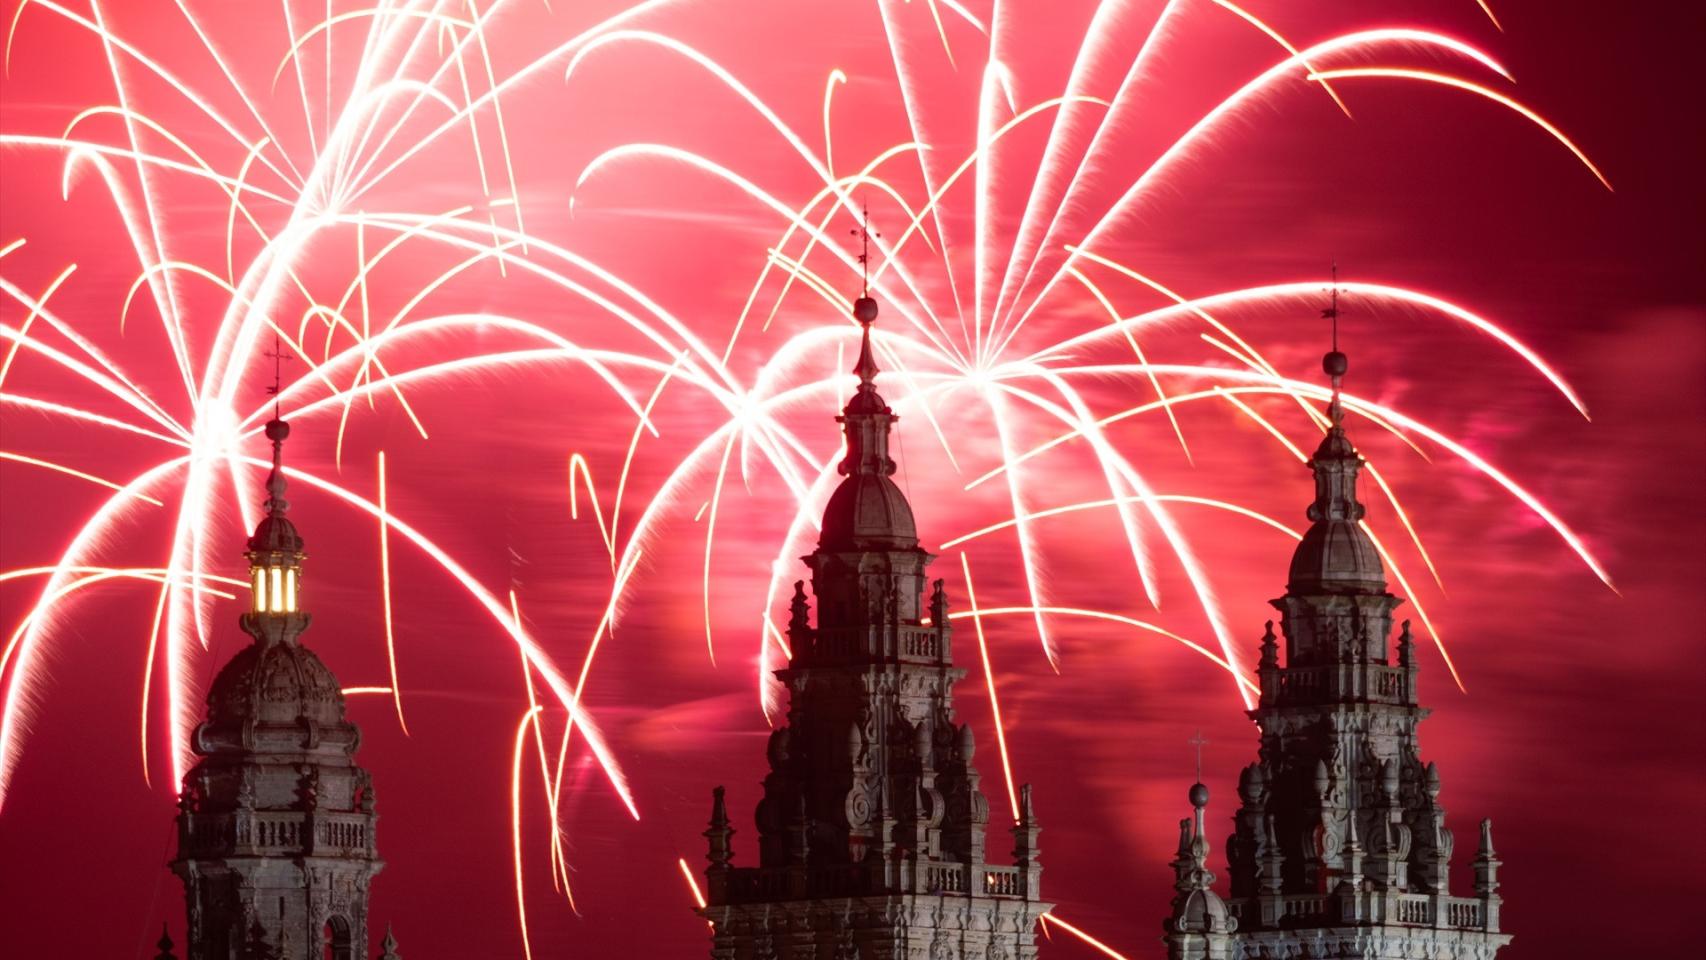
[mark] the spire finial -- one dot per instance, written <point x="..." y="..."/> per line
<point x="388" y="946"/>
<point x="165" y="945"/>
<point x="865" y="308"/>
<point x="1334" y="363"/>
<point x="277" y="431"/>
<point x="863" y="232"/>
<point x="1198" y="741"/>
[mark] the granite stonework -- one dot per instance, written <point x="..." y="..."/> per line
<point x="871" y="827"/>
<point x="1340" y="846"/>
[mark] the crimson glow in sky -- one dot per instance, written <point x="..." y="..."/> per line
<point x="543" y="257"/>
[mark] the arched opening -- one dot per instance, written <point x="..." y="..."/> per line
<point x="338" y="945"/>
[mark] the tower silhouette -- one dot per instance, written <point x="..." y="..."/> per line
<point x="871" y="828"/>
<point x="1341" y="845"/>
<point x="276" y="843"/>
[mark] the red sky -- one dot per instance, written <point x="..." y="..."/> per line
<point x="1581" y="720"/>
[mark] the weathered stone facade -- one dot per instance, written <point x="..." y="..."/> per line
<point x="871" y="829"/>
<point x="276" y="843"/>
<point x="1340" y="847"/>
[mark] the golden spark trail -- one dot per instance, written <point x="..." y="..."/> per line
<point x="385" y="597"/>
<point x="1049" y="918"/>
<point x="989" y="681"/>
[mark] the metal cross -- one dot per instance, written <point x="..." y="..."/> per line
<point x="278" y="357"/>
<point x="864" y="234"/>
<point x="1199" y="742"/>
<point x="1331" y="312"/>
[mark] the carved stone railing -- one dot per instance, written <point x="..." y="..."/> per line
<point x="1005" y="882"/>
<point x="1368" y="682"/>
<point x="929" y="877"/>
<point x="920" y="643"/>
<point x="1369" y="906"/>
<point x="259" y="831"/>
<point x="875" y="641"/>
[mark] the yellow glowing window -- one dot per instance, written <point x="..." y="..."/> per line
<point x="290" y="590"/>
<point x="276" y="594"/>
<point x="260" y="590"/>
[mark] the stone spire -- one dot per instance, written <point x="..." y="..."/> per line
<point x="867" y="510"/>
<point x="165" y="945"/>
<point x="1340" y="842"/>
<point x="1336" y="554"/>
<point x="871" y="830"/>
<point x="388" y="946"/>
<point x="1200" y="925"/>
<point x="276" y="824"/>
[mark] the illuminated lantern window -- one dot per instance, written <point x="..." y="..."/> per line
<point x="275" y="586"/>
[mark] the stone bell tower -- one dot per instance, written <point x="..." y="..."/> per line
<point x="1341" y="847"/>
<point x="276" y="823"/>
<point x="871" y="829"/>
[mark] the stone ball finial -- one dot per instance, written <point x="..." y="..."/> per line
<point x="968" y="743"/>
<point x="165" y="945"/>
<point x="277" y="430"/>
<point x="865" y="310"/>
<point x="1335" y="364"/>
<point x="1199" y="795"/>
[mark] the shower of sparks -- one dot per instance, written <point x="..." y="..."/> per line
<point x="1050" y="919"/>
<point x="314" y="202"/>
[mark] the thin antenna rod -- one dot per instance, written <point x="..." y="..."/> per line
<point x="864" y="235"/>
<point x="1198" y="741"/>
<point x="277" y="376"/>
<point x="277" y="388"/>
<point x="1333" y="311"/>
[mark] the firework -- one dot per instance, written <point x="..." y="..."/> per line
<point x="1007" y="348"/>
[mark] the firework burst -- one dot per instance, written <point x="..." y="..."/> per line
<point x="360" y="177"/>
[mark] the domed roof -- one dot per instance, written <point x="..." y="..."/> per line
<point x="868" y="512"/>
<point x="1336" y="556"/>
<point x="275" y="533"/>
<point x="274" y="683"/>
<point x="1203" y="912"/>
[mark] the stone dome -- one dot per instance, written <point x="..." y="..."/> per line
<point x="868" y="512"/>
<point x="1336" y="556"/>
<point x="275" y="534"/>
<point x="1204" y="912"/>
<point x="274" y="683"/>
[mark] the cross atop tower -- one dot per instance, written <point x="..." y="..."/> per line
<point x="863" y="232"/>
<point x="1198" y="741"/>
<point x="278" y="357"/>
<point x="1334" y="363"/>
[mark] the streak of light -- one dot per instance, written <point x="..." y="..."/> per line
<point x="989" y="681"/>
<point x="1050" y="918"/>
<point x="1114" y="501"/>
<point x="1243" y="681"/>
<point x="61" y="468"/>
<point x="36" y="305"/>
<point x="527" y="720"/>
<point x="692" y="882"/>
<point x="385" y="598"/>
<point x="1428" y="76"/>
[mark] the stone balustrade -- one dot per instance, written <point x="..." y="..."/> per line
<point x="759" y="884"/>
<point x="1371" y="906"/>
<point x="905" y="642"/>
<point x="264" y="832"/>
<point x="1369" y="682"/>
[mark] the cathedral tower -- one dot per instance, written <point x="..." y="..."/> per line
<point x="276" y="823"/>
<point x="1340" y="841"/>
<point x="871" y="829"/>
